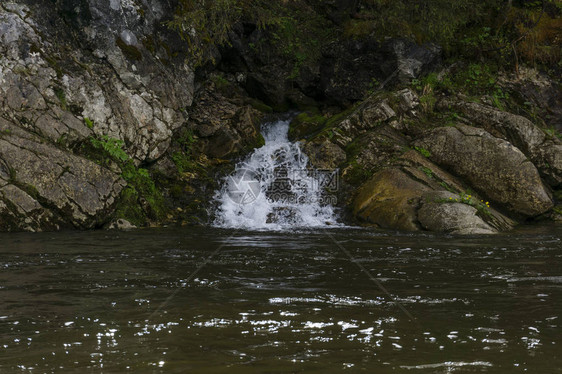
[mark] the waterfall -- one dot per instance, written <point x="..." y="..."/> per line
<point x="274" y="188"/>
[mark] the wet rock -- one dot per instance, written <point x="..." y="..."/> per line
<point x="224" y="126"/>
<point x="261" y="86"/>
<point x="390" y="199"/>
<point x="415" y="194"/>
<point x="544" y="151"/>
<point x="412" y="59"/>
<point x="121" y="224"/>
<point x="493" y="166"/>
<point x="408" y="100"/>
<point x="371" y="114"/>
<point x="440" y="214"/>
<point x="324" y="154"/>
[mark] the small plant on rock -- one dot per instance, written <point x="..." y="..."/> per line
<point x="481" y="206"/>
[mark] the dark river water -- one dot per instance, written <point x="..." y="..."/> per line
<point x="267" y="302"/>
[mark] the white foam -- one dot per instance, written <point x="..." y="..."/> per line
<point x="259" y="207"/>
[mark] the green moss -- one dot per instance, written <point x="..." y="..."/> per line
<point x="305" y="124"/>
<point x="446" y="186"/>
<point x="130" y="51"/>
<point x="353" y="148"/>
<point x="356" y="175"/>
<point x="129" y="208"/>
<point x="59" y="92"/>
<point x="141" y="200"/>
<point x="183" y="162"/>
<point x="424" y="152"/>
<point x="89" y="123"/>
<point x="553" y="133"/>
<point x="337" y="118"/>
<point x="221" y="83"/>
<point x="259" y="105"/>
<point x="176" y="191"/>
<point x="259" y="142"/>
<point x="427" y="171"/>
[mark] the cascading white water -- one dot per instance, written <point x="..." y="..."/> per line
<point x="274" y="189"/>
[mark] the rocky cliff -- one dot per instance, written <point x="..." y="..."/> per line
<point x="104" y="119"/>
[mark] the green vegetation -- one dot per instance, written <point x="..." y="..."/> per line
<point x="112" y="147"/>
<point x="305" y="124"/>
<point x="356" y="174"/>
<point x="221" y="83"/>
<point x="140" y="198"/>
<point x="554" y="133"/>
<point x="205" y="25"/>
<point x="424" y="152"/>
<point x="505" y="30"/>
<point x="427" y="171"/>
<point x="89" y="123"/>
<point x="59" y="92"/>
<point x="483" y="207"/>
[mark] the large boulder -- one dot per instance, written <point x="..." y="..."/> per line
<point x="414" y="194"/>
<point x="543" y="150"/>
<point x="493" y="166"/>
<point x="390" y="199"/>
<point x="444" y="211"/>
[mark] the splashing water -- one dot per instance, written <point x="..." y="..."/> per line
<point x="274" y="189"/>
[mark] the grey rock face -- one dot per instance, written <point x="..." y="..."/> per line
<point x="439" y="215"/>
<point x="71" y="70"/>
<point x="127" y="91"/>
<point x="544" y="151"/>
<point x="493" y="166"/>
<point x="46" y="188"/>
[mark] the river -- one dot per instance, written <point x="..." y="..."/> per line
<point x="317" y="301"/>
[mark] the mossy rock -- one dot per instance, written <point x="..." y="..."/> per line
<point x="130" y="51"/>
<point x="389" y="199"/>
<point x="305" y="125"/>
<point x="357" y="174"/>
